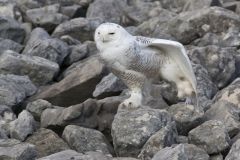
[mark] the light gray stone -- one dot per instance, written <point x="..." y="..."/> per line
<point x="64" y="155"/>
<point x="234" y="153"/>
<point x="7" y="44"/>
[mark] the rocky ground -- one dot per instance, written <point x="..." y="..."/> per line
<point x="59" y="102"/>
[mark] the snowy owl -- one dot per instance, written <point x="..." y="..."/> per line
<point x="138" y="60"/>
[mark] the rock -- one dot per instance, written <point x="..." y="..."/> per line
<point x="230" y="93"/>
<point x="6" y="116"/>
<point x="14" y="89"/>
<point x="7" y="44"/>
<point x="79" y="28"/>
<point x="182" y="152"/>
<point x="77" y="85"/>
<point x="166" y="136"/>
<point x="186" y="117"/>
<point x="73" y="11"/>
<point x="188" y="26"/>
<point x="37" y="107"/>
<point x="173" y="5"/>
<point x="47" y="17"/>
<point x="11" y="29"/>
<point x="194" y="5"/>
<point x="233" y="6"/>
<point x="234" y="152"/>
<point x="219" y="62"/>
<point x="42" y="45"/>
<point x="69" y="40"/>
<point x="84" y="139"/>
<point x="23" y="126"/>
<point x="227" y="113"/>
<point x="39" y="70"/>
<point x="14" y="149"/>
<point x="109" y="85"/>
<point x="89" y="114"/>
<point x="216" y="157"/>
<point x="47" y="142"/>
<point x="9" y="10"/>
<point x="131" y="129"/>
<point x="64" y="155"/>
<point x="210" y="136"/>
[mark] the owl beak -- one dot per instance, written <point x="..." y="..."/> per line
<point x="104" y="40"/>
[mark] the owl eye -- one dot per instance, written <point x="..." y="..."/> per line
<point x="111" y="33"/>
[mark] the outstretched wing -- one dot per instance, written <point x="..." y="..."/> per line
<point x="176" y="51"/>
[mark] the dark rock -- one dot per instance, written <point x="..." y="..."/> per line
<point x="73" y="11"/>
<point x="39" y="70"/>
<point x="182" y="152"/>
<point x="84" y="139"/>
<point x="186" y="117"/>
<point x="37" y="107"/>
<point x="131" y="129"/>
<point x="216" y="157"/>
<point x="227" y="113"/>
<point x="210" y="136"/>
<point x="47" y="142"/>
<point x="14" y="149"/>
<point x="234" y="153"/>
<point x="165" y="137"/>
<point x="219" y="62"/>
<point x="7" y="44"/>
<point x="79" y="28"/>
<point x="233" y="6"/>
<point x="42" y="45"/>
<point x="11" y="29"/>
<point x="70" y="40"/>
<point x="14" y="89"/>
<point x="23" y="126"/>
<point x="78" y="84"/>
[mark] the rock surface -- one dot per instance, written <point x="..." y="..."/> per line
<point x="234" y="152"/>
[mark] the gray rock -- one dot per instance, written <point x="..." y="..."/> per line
<point x="230" y="93"/>
<point x="7" y="44"/>
<point x="69" y="40"/>
<point x="182" y="152"/>
<point x="6" y="116"/>
<point x="64" y="155"/>
<point x="79" y="28"/>
<point x="166" y="136"/>
<point x="234" y="153"/>
<point x="73" y="11"/>
<point x="47" y="17"/>
<point x="84" y="139"/>
<point x="227" y="113"/>
<point x="11" y="29"/>
<point x="23" y="126"/>
<point x="173" y="5"/>
<point x="47" y="142"/>
<point x="37" y="107"/>
<point x="42" y="45"/>
<point x="186" y="117"/>
<point x="216" y="157"/>
<point x="9" y="10"/>
<point x="210" y="136"/>
<point x="219" y="62"/>
<point x="14" y="149"/>
<point x="39" y="70"/>
<point x="233" y="6"/>
<point x="131" y="129"/>
<point x="14" y="89"/>
<point x="193" y="5"/>
<point x="77" y="85"/>
<point x="108" y="86"/>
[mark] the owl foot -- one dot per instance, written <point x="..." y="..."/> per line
<point x="133" y="102"/>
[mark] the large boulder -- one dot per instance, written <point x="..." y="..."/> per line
<point x="39" y="70"/>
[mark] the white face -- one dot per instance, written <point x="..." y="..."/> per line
<point x="108" y="35"/>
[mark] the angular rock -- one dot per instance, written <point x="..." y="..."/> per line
<point x="194" y="5"/>
<point x="230" y="93"/>
<point x="233" y="6"/>
<point x="109" y="85"/>
<point x="84" y="140"/>
<point x="39" y="70"/>
<point x="182" y="152"/>
<point x="219" y="62"/>
<point x="73" y="11"/>
<point x="77" y="85"/>
<point x="131" y="129"/>
<point x="23" y="126"/>
<point x="216" y="157"/>
<point x="186" y="117"/>
<point x="79" y="28"/>
<point x="47" y="17"/>
<point x="37" y="107"/>
<point x="7" y="44"/>
<point x="42" y="45"/>
<point x="11" y="29"/>
<point x="165" y="137"/>
<point x="227" y="113"/>
<point x="14" y="149"/>
<point x="47" y="142"/>
<point x="14" y="89"/>
<point x="234" y="153"/>
<point x="64" y="155"/>
<point x="210" y="136"/>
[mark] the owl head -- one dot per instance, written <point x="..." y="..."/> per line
<point x="109" y="34"/>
